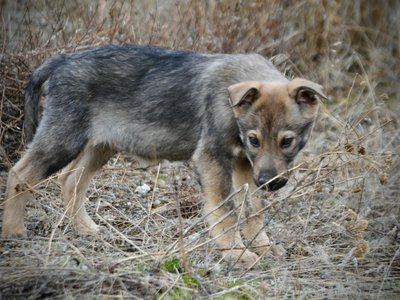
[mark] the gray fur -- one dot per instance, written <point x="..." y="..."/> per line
<point x="153" y="103"/>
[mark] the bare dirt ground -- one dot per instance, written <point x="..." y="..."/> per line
<point x="338" y="218"/>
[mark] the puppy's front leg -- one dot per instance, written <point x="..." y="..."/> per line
<point x="253" y="227"/>
<point x="216" y="182"/>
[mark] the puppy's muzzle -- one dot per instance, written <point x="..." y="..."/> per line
<point x="273" y="185"/>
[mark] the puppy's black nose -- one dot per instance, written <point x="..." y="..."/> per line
<point x="274" y="185"/>
<point x="263" y="180"/>
<point x="277" y="183"/>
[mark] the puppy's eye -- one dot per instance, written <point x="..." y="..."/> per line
<point x="254" y="141"/>
<point x="286" y="142"/>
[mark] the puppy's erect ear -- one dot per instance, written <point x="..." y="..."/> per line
<point x="305" y="92"/>
<point x="243" y="95"/>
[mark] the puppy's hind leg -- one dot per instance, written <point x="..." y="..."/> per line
<point x="42" y="159"/>
<point x="75" y="180"/>
<point x="57" y="142"/>
<point x="22" y="177"/>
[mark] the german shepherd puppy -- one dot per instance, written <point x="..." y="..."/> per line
<point x="237" y="116"/>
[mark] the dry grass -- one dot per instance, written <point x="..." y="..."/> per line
<point x="339" y="217"/>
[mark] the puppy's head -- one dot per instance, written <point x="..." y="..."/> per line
<point x="275" y="121"/>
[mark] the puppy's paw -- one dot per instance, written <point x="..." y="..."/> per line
<point x="13" y="232"/>
<point x="245" y="258"/>
<point x="87" y="228"/>
<point x="268" y="249"/>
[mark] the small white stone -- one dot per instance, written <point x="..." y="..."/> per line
<point x="143" y="189"/>
<point x="156" y="203"/>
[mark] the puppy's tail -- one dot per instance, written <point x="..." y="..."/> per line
<point x="34" y="90"/>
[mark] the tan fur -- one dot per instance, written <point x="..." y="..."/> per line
<point x="221" y="220"/>
<point x="17" y="193"/>
<point x="75" y="180"/>
<point x="253" y="229"/>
